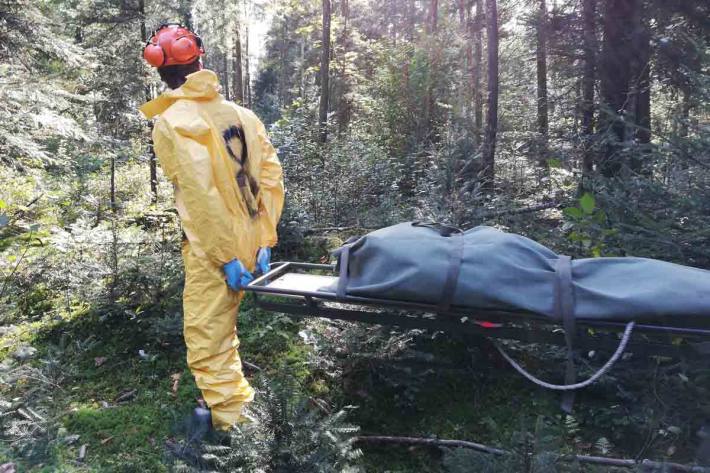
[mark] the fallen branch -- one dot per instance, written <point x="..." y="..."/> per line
<point x="429" y="443"/>
<point x="126" y="396"/>
<point x="518" y="211"/>
<point x="252" y="366"/>
<point x="444" y="443"/>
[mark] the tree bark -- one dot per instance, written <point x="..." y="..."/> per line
<point x="489" y="140"/>
<point x="345" y="102"/>
<point x="152" y="162"/>
<point x="615" y="72"/>
<point x="247" y="66"/>
<point x="642" y="80"/>
<point x="225" y="74"/>
<point x="324" y="73"/>
<point x="113" y="184"/>
<point x="477" y="27"/>
<point x="588" y="81"/>
<point x="433" y="55"/>
<point x="186" y="13"/>
<point x="542" y="106"/>
<point x="464" y="8"/>
<point x="433" y="16"/>
<point x="237" y="66"/>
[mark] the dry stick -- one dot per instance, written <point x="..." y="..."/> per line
<point x="433" y="442"/>
<point x="430" y="443"/>
<point x="252" y="366"/>
<point x="523" y="210"/>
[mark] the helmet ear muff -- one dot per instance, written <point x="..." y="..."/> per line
<point x="154" y="54"/>
<point x="184" y="49"/>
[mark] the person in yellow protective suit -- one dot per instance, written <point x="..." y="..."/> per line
<point x="229" y="194"/>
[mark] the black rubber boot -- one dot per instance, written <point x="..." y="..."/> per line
<point x="200" y="425"/>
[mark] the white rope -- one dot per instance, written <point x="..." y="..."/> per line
<point x="571" y="387"/>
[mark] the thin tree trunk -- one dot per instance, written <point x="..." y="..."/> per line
<point x="344" y="108"/>
<point x="640" y="91"/>
<point x="225" y="74"/>
<point x="247" y="66"/>
<point x="282" y="70"/>
<point x="588" y="81"/>
<point x="542" y="107"/>
<point x="113" y="184"/>
<point x="476" y="70"/>
<point x="642" y="81"/>
<point x="643" y="107"/>
<point x="324" y="73"/>
<point x="237" y="66"/>
<point x="186" y="7"/>
<point x="684" y="128"/>
<point x="464" y="9"/>
<point x="433" y="16"/>
<point x="152" y="163"/>
<point x="433" y="51"/>
<point x="489" y="140"/>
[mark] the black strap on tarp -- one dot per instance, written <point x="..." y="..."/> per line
<point x="343" y="274"/>
<point x="564" y="311"/>
<point x="452" y="275"/>
<point x="343" y="267"/>
<point x="456" y="241"/>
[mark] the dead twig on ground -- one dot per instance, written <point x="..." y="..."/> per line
<point x="593" y="460"/>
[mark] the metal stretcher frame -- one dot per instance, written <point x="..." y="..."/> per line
<point x="684" y="336"/>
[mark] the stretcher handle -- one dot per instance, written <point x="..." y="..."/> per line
<point x="583" y="384"/>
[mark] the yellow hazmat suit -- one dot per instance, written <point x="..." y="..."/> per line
<point x="229" y="194"/>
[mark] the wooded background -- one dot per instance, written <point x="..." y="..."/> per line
<point x="592" y="114"/>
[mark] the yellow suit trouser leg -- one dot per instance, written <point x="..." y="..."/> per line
<point x="210" y="329"/>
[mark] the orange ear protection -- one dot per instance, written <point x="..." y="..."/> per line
<point x="172" y="44"/>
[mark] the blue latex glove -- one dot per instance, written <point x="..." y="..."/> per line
<point x="237" y="275"/>
<point x="263" y="259"/>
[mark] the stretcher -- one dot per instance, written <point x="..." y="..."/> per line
<point x="297" y="289"/>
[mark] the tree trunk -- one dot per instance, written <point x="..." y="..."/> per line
<point x="324" y="73"/>
<point x="489" y="140"/>
<point x="225" y="74"/>
<point x="464" y="9"/>
<point x="186" y="7"/>
<point x="247" y="73"/>
<point x="152" y="163"/>
<point x="542" y="107"/>
<point x="113" y="184"/>
<point x="615" y="72"/>
<point x="433" y="16"/>
<point x="237" y="66"/>
<point x="588" y="81"/>
<point x="345" y="101"/>
<point x="476" y="68"/>
<point x="642" y="80"/>
<point x="643" y="107"/>
<point x="433" y="55"/>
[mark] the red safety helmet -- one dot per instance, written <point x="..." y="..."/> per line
<point x="172" y="44"/>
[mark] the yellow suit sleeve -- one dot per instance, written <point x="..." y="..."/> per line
<point x="271" y="187"/>
<point x="205" y="218"/>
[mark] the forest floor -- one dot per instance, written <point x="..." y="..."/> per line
<point x="94" y="391"/>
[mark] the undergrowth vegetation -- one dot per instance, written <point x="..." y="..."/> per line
<point x="93" y="374"/>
